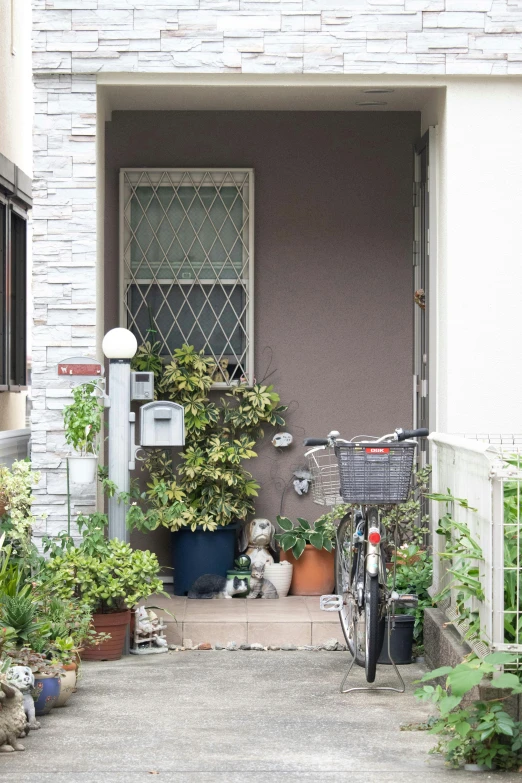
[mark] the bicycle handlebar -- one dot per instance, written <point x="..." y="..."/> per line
<point x="406" y="434"/>
<point x="399" y="435"/>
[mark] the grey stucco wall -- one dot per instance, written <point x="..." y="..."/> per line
<point x="333" y="274"/>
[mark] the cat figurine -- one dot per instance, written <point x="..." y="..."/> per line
<point x="214" y="586"/>
<point x="23" y="678"/>
<point x="260" y="587"/>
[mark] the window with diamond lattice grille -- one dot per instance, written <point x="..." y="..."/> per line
<point x="186" y="239"/>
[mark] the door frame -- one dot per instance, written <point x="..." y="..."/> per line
<point x="426" y="241"/>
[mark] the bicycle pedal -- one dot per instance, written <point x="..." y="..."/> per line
<point x="331" y="603"/>
<point x="405" y="599"/>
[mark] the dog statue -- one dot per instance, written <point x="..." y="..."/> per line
<point x="257" y="540"/>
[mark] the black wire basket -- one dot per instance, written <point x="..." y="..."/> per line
<point x="375" y="472"/>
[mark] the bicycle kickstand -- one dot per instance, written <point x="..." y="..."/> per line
<point x="377" y="687"/>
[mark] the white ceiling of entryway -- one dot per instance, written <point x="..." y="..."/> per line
<point x="235" y="94"/>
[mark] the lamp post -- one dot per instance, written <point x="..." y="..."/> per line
<point x="119" y="346"/>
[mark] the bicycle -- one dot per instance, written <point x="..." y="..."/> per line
<point x="365" y="472"/>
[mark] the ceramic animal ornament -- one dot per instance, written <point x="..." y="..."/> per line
<point x="302" y="481"/>
<point x="260" y="587"/>
<point x="221" y="374"/>
<point x="23" y="679"/>
<point x="211" y="586"/>
<point x="13" y="722"/>
<point x="282" y="440"/>
<point x="257" y="541"/>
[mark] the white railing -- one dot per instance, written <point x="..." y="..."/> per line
<point x="480" y="473"/>
<point x="14" y="444"/>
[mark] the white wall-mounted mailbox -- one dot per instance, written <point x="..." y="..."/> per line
<point x="162" y="424"/>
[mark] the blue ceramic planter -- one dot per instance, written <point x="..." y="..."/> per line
<point x="48" y="689"/>
<point x="202" y="552"/>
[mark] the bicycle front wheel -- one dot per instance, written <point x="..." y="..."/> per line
<point x="345" y="570"/>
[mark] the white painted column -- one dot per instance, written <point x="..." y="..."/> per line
<point x="480" y="258"/>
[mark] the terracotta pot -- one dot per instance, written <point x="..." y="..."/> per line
<point x="313" y="573"/>
<point x="115" y="623"/>
<point x="67" y="684"/>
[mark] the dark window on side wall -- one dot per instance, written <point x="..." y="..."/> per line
<point x="18" y="309"/>
<point x="3" y="296"/>
<point x="13" y="298"/>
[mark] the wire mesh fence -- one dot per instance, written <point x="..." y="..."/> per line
<point x="486" y="471"/>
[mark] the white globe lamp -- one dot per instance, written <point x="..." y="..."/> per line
<point x="119" y="344"/>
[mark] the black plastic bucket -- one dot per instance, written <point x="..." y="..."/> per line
<point x="401" y="642"/>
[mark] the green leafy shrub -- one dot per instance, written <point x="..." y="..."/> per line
<point x="83" y="418"/>
<point x="410" y="521"/>
<point x="412" y="572"/>
<point x="210" y="487"/>
<point x="465" y="554"/>
<point x="107" y="575"/>
<point x="483" y="733"/>
<point x="16" y="517"/>
<point x="320" y="534"/>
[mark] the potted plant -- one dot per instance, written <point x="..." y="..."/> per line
<point x="411" y="572"/>
<point x="309" y="547"/>
<point x="47" y="677"/>
<point x="203" y="497"/>
<point x="83" y="420"/>
<point x="108" y="575"/>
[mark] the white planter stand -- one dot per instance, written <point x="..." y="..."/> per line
<point x="82" y="469"/>
<point x="280" y="574"/>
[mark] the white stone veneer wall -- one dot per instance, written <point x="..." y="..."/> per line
<point x="73" y="40"/>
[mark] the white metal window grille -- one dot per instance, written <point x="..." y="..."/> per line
<point x="186" y="262"/>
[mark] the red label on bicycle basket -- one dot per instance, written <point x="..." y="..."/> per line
<point x="377" y="451"/>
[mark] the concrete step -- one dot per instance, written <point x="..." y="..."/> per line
<point x="292" y="620"/>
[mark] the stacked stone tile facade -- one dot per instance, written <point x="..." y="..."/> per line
<point x="74" y="40"/>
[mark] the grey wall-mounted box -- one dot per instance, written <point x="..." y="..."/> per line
<point x="142" y="385"/>
<point x="162" y="424"/>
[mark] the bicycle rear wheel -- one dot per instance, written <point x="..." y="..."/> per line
<point x="346" y="561"/>
<point x="373" y="637"/>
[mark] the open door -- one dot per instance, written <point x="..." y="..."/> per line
<point x="423" y="287"/>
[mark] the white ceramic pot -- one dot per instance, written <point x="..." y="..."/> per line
<point x="280" y="574"/>
<point x="67" y="686"/>
<point x="82" y="469"/>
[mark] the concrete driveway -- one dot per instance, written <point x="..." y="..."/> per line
<point x="231" y="717"/>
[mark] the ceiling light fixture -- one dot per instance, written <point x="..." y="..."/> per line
<point x="371" y="103"/>
<point x="378" y="90"/>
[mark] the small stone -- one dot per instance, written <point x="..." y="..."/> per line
<point x="175" y="647"/>
<point x="204" y="646"/>
<point x="287" y="647"/>
<point x="257" y="646"/>
<point x="232" y="646"/>
<point x="219" y="646"/>
<point x="187" y="643"/>
<point x="273" y="647"/>
<point x="244" y="646"/>
<point x="309" y="647"/>
<point x="330" y="645"/>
